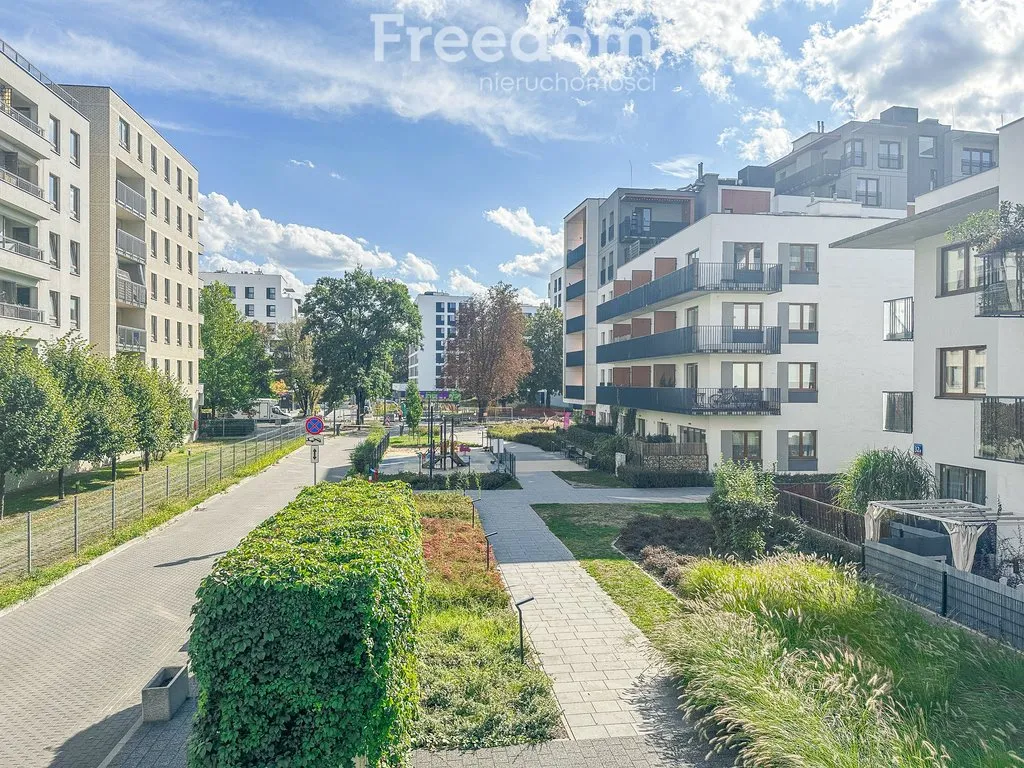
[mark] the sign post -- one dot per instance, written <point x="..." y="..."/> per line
<point x="314" y="439"/>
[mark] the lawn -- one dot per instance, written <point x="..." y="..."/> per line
<point x="591" y="479"/>
<point x="474" y="691"/>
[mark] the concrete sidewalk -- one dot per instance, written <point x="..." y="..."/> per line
<point x="76" y="657"/>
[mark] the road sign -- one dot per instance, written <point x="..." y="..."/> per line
<point x="314" y="439"/>
<point x="314" y="454"/>
<point x="314" y="425"/>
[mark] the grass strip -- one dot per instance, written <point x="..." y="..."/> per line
<point x="591" y="479"/>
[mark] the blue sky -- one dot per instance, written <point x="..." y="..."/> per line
<point x="314" y="156"/>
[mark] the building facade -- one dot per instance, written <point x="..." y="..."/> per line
<point x="438" y="311"/>
<point x="45" y="206"/>
<point x="556" y="289"/>
<point x="965" y="412"/>
<point x="258" y="296"/>
<point x="144" y="236"/>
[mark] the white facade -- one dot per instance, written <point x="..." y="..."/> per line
<point x="437" y="315"/>
<point x="556" y="289"/>
<point x="258" y="296"/>
<point x="968" y="339"/>
<point x="44" y="208"/>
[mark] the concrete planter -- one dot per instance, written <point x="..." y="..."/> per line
<point x="164" y="694"/>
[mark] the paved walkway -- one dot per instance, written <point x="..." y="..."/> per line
<point x="75" y="658"/>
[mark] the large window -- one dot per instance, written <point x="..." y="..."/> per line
<point x="889" y="155"/>
<point x="898" y="319"/>
<point x="961" y="483"/>
<point x="124" y="133"/>
<point x="803" y="444"/>
<point x="76" y="257"/>
<point x="747" y="255"/>
<point x="974" y="161"/>
<point x="746" y="446"/>
<point x="272" y="293"/>
<point x="746" y="375"/>
<point x="853" y="152"/>
<point x="803" y="258"/>
<point x="803" y="376"/>
<point x="803" y="317"/>
<point x="55" y="192"/>
<point x="926" y="146"/>
<point x="54" y="134"/>
<point x="867" y="191"/>
<point x="250" y="292"/>
<point x="76" y="148"/>
<point x="960" y="270"/>
<point x="746" y="315"/>
<point x="963" y="371"/>
<point x="898" y="412"/>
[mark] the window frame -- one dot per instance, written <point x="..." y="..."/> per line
<point x="746" y="305"/>
<point x="75" y="148"/>
<point x="866" y="198"/>
<point x="75" y="257"/>
<point x="928" y="153"/>
<point x="970" y="481"/>
<point x="801" y="254"/>
<point x="746" y="367"/>
<point x="811" y="377"/>
<point x="753" y="252"/>
<point x="124" y="134"/>
<point x="803" y="309"/>
<point x="746" y="443"/>
<point x="811" y="436"/>
<point x="964" y="392"/>
<point x="972" y="279"/>
<point x="851" y="153"/>
<point x="981" y="165"/>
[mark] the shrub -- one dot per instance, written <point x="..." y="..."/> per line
<point x="649" y="478"/>
<point x="744" y="512"/>
<point x="658" y="439"/>
<point x="303" y="636"/>
<point x="882" y="474"/>
<point x="362" y="454"/>
<point x="678" y="535"/>
<point x="536" y="433"/>
<point x="482" y="481"/>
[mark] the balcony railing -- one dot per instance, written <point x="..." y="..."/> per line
<point x="853" y="160"/>
<point x="898" y="412"/>
<point x="823" y="170"/>
<point x="576" y="255"/>
<point x="131" y="292"/>
<point x="576" y="324"/>
<point x="21" y="312"/>
<point x="23" y="184"/>
<point x="131" y="339"/>
<point x="575" y="392"/>
<point x="1000" y="429"/>
<point x="130" y="247"/>
<point x="575" y="290"/>
<point x="27" y="65"/>
<point x="130" y="199"/>
<point x="22" y="249"/>
<point x="701" y="339"/>
<point x="892" y="162"/>
<point x="764" y="402"/>
<point x="23" y="120"/>
<point x="699" y="277"/>
<point x="575" y="359"/>
<point x="1002" y="291"/>
<point x="630" y="228"/>
<point x="898" y="319"/>
<point x="967" y="168"/>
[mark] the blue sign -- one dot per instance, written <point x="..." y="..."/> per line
<point x="314" y="425"/>
<point x="919" y="449"/>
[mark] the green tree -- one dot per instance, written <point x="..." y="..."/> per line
<point x="413" y="406"/>
<point x="180" y="421"/>
<point x="35" y="428"/>
<point x="149" y="403"/>
<point x="293" y="356"/>
<point x="236" y="368"/>
<point x="544" y="333"/>
<point x="99" y="413"/>
<point x="356" y="323"/>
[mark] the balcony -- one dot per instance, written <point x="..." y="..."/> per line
<point x="576" y="324"/>
<point x="576" y="255"/>
<point x="575" y="392"/>
<point x="129" y="199"/>
<point x="898" y="412"/>
<point x="130" y="339"/>
<point x="575" y="359"/>
<point x="696" y="278"/>
<point x="822" y="172"/>
<point x="22" y="249"/>
<point x="631" y="228"/>
<point x="130" y="293"/>
<point x="853" y="160"/>
<point x="34" y="72"/>
<point x="22" y="312"/>
<point x="575" y="290"/>
<point x="1002" y="285"/>
<point x="19" y="182"/>
<point x="898" y="319"/>
<point x="1000" y="429"/>
<point x="129" y="246"/>
<point x="703" y="401"/>
<point x="702" y="339"/>
<point x="23" y="120"/>
<point x="891" y="162"/>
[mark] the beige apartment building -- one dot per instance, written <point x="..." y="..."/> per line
<point x="144" y="235"/>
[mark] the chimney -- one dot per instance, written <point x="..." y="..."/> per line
<point x="700" y="170"/>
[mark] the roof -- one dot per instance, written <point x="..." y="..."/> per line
<point x="948" y="511"/>
<point x="904" y="233"/>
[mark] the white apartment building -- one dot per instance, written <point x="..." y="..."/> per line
<point x="965" y="412"/>
<point x="437" y="315"/>
<point x="144" y="235"/>
<point x="259" y="296"/>
<point x="44" y="205"/>
<point x="556" y="289"/>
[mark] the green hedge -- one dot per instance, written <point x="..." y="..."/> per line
<point x="362" y="454"/>
<point x="646" y="478"/>
<point x="488" y="481"/>
<point x="304" y="634"/>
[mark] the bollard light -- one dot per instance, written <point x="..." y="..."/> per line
<point x="487" y="538"/>
<point x="522" y="646"/>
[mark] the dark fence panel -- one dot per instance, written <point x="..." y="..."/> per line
<point x="835" y="521"/>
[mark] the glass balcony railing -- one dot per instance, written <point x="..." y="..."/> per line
<point x="129" y="292"/>
<point x="1002" y="285"/>
<point x="22" y="249"/>
<point x="999" y="429"/>
<point x="700" y="339"/>
<point x="22" y="312"/>
<point x="21" y="183"/>
<point x="22" y="119"/>
<point x="131" y="339"/>
<point x="724" y="401"/>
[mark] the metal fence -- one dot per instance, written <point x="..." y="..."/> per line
<point x="379" y="450"/>
<point x="835" y="521"/>
<point x="991" y="608"/>
<point x="45" y="536"/>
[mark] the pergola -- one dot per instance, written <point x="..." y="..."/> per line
<point x="964" y="521"/>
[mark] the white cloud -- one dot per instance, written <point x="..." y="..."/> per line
<point x="762" y="137"/>
<point x="231" y="230"/>
<point x="471" y="270"/>
<point x="303" y="163"/>
<point x="418" y="268"/>
<point x="202" y="130"/>
<point x="684" y="166"/>
<point x="629" y="108"/>
<point x="519" y="222"/>
<point x="459" y="282"/>
<point x="527" y="296"/>
<point x="218" y="263"/>
<point x="336" y="175"/>
<point x="417" y="287"/>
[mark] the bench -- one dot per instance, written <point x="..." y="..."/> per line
<point x="578" y="455"/>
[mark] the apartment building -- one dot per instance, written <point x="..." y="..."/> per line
<point x="44" y="205"/>
<point x="144" y="234"/>
<point x="885" y="162"/>
<point x="964" y="320"/>
<point x="556" y="289"/>
<point x="438" y="311"/>
<point x="258" y="296"/>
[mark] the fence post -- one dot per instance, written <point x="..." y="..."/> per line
<point x="76" y="523"/>
<point x="113" y="508"/>
<point x="188" y="474"/>
<point x="28" y="550"/>
<point x="220" y="463"/>
<point x="167" y="482"/>
<point x="143" y="504"/>
<point x="233" y="458"/>
<point x="945" y="583"/>
<point x="205" y="456"/>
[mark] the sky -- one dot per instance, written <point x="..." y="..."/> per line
<point x="374" y="132"/>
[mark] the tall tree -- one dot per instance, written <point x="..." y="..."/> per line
<point x="236" y="368"/>
<point x="149" y="403"/>
<point x="180" y="422"/>
<point x="35" y="429"/>
<point x="544" y="338"/>
<point x="356" y="323"/>
<point x="99" y="413"/>
<point x="413" y="406"/>
<point x="487" y="357"/>
<point x="293" y="356"/>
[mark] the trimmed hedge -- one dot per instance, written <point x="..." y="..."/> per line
<point x="646" y="478"/>
<point x="363" y="452"/>
<point x="489" y="481"/>
<point x="304" y="634"/>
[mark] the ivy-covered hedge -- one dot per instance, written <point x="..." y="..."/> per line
<point x="470" y="481"/>
<point x="304" y="634"/>
<point x="362" y="454"/>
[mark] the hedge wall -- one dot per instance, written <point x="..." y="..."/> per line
<point x="488" y="481"/>
<point x="304" y="634"/>
<point x="644" y="478"/>
<point x="363" y="452"/>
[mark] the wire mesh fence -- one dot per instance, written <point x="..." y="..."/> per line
<point x="45" y="536"/>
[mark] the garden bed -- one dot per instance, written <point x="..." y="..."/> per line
<point x="469" y="481"/>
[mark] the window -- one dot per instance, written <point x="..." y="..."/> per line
<point x="167" y="170"/>
<point x="178" y="218"/>
<point x="189" y="299"/>
<point x="124" y="133"/>
<point x="747" y="255"/>
<point x="179" y="334"/>
<point x="867" y="191"/>
<point x="232" y="289"/>
<point x="451" y="307"/>
<point x="746" y="446"/>
<point x="272" y="293"/>
<point x="439" y="357"/>
<point x="960" y="270"/>
<point x="190" y="263"/>
<point x="803" y="444"/>
<point x="439" y="333"/>
<point x="803" y="258"/>
<point x="55" y="250"/>
<point x="693" y="257"/>
<point x="611" y="230"/>
<point x="271" y="310"/>
<point x="963" y="371"/>
<point x="926" y="146"/>
<point x="746" y="315"/>
<point x="75" y="146"/>
<point x="55" y="192"/>
<point x="439" y="346"/>
<point x="190" y="229"/>
<point x="898" y="319"/>
<point x="167" y="250"/>
<point x="153" y="362"/>
<point x="179" y="370"/>
<point x="898" y="412"/>
<point x="153" y="285"/>
<point x="167" y="331"/>
<point x="641" y="427"/>
<point x="250" y="292"/>
<point x="179" y="257"/>
<point x="179" y="179"/>
<point x="439" y="371"/>
<point x="76" y="309"/>
<point x="438" y="319"/>
<point x="974" y="161"/>
<point x="690" y="375"/>
<point x="803" y="317"/>
<point x="179" y="294"/>
<point x="692" y="317"/>
<point x="189" y="187"/>
<point x="439" y="306"/>
<point x="853" y="152"/>
<point x="153" y="328"/>
<point x="76" y="257"/>
<point x="152" y="158"/>
<point x="961" y="483"/>
<point x="167" y="367"/>
<point x="692" y="435"/>
<point x="55" y="309"/>
<point x="190" y="334"/>
<point x="189" y="371"/>
<point x="889" y="155"/>
<point x="152" y="200"/>
<point x="138" y="145"/>
<point x="152" y="243"/>
<point x="604" y="232"/>
<point x="746" y="375"/>
<point x="250" y="310"/>
<point x="76" y="203"/>
<point x="167" y="210"/>
<point x="803" y="376"/>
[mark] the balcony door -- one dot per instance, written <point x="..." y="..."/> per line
<point x="690" y="376"/>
